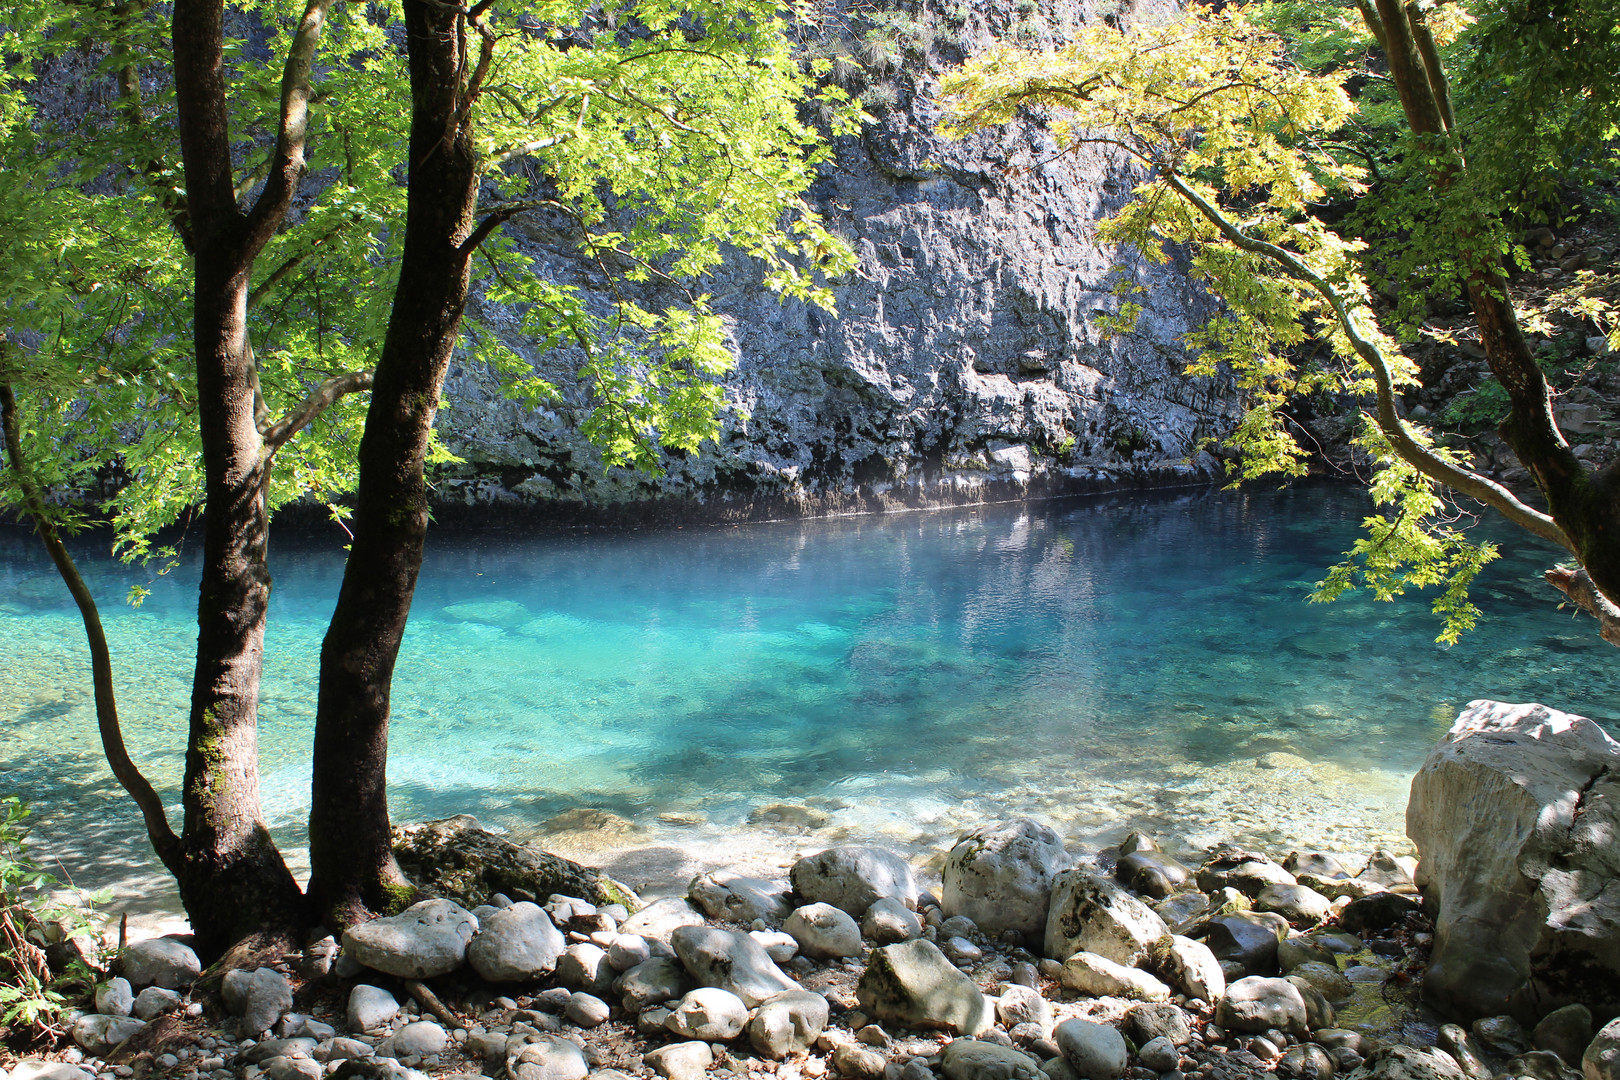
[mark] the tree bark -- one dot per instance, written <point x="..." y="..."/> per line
<point x="353" y="869"/>
<point x="232" y="879"/>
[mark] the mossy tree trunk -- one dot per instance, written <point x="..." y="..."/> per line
<point x="353" y="869"/>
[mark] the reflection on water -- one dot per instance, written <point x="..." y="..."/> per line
<point x="1100" y="663"/>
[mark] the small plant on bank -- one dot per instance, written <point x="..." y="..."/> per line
<point x="32" y="999"/>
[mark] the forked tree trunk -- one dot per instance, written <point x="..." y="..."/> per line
<point x="352" y="862"/>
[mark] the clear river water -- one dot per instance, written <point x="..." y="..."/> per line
<point x="656" y="700"/>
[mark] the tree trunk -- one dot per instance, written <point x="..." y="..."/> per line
<point x="354" y="873"/>
<point x="232" y="879"/>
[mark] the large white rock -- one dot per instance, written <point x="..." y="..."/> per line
<point x="1000" y="876"/>
<point x="787" y="1023"/>
<point x="545" y="1057"/>
<point x="741" y="899"/>
<point x="516" y="944"/>
<point x="1099" y="976"/>
<point x="824" y="932"/>
<point x="423" y="941"/>
<point x="734" y="962"/>
<point x="161" y="962"/>
<point x="658" y="920"/>
<point x="710" y="1014"/>
<point x="259" y="997"/>
<point x="854" y="878"/>
<point x="1189" y="966"/>
<point x="1257" y="1004"/>
<point x="1515" y="815"/>
<point x="99" y="1034"/>
<point x="913" y="985"/>
<point x="1089" y="913"/>
<point x="370" y="1007"/>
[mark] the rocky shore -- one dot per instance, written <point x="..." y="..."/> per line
<point x="1026" y="961"/>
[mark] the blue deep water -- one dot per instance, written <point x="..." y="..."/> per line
<point x="1101" y="663"/>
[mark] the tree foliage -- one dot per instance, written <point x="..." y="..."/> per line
<point x="1242" y="147"/>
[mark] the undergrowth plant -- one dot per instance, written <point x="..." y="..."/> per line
<point x="33" y="999"/>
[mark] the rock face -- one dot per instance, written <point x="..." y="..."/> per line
<point x="1514" y="815"/>
<point x="455" y="858"/>
<point x="1001" y="876"/>
<point x="423" y="941"/>
<point x="967" y="359"/>
<point x="912" y="984"/>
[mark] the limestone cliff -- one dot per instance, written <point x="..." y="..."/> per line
<point x="965" y="361"/>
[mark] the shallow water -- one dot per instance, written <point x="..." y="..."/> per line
<point x="1103" y="664"/>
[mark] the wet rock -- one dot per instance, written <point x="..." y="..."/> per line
<point x="1152" y="873"/>
<point x="1144" y="1023"/>
<point x="1296" y="949"/>
<point x="730" y="961"/>
<point x="1089" y="913"/>
<point x="1189" y="966"/>
<point x="545" y="1057"/>
<point x="1521" y="876"/>
<point x="1093" y="1051"/>
<point x="1383" y="869"/>
<point x="259" y="997"/>
<point x="1327" y="978"/>
<point x="854" y="878"/>
<point x="653" y="981"/>
<point x="660" y="919"/>
<point x="1248" y="872"/>
<point x="1246" y="939"/>
<point x="1258" y="1004"/>
<point x="914" y="985"/>
<point x="889" y="921"/>
<point x="741" y="899"/>
<point x="1001" y="876"/>
<point x="824" y="932"/>
<point x="1566" y="1032"/>
<point x="972" y="1059"/>
<point x="1380" y="911"/>
<point x="1464" y="1051"/>
<point x="1601" y="1061"/>
<point x="1541" y="1065"/>
<point x="1407" y="1063"/>
<point x="1099" y="976"/>
<point x="99" y="1034"/>
<point x="457" y="859"/>
<point x="1180" y="910"/>
<point x="710" y="1014"/>
<point x="1296" y="903"/>
<point x="516" y="944"/>
<point x="423" y="941"/>
<point x="787" y="1023"/>
<point x="370" y="1007"/>
<point x="1319" y="1012"/>
<point x="1307" y="1062"/>
<point x="1316" y="864"/>
<point x="1502" y="1036"/>
<point x="161" y="962"/>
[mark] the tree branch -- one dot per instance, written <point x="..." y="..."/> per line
<point x="164" y="842"/>
<point x="1430" y="52"/>
<point x="1577" y="585"/>
<point x="1419" y="457"/>
<point x="293" y="129"/>
<point x="319" y="400"/>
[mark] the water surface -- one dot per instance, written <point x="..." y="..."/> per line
<point x="1103" y="663"/>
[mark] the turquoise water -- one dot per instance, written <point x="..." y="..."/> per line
<point x="1101" y="663"/>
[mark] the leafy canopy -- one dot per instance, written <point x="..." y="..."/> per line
<point x="653" y="138"/>
<point x="1238" y="144"/>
